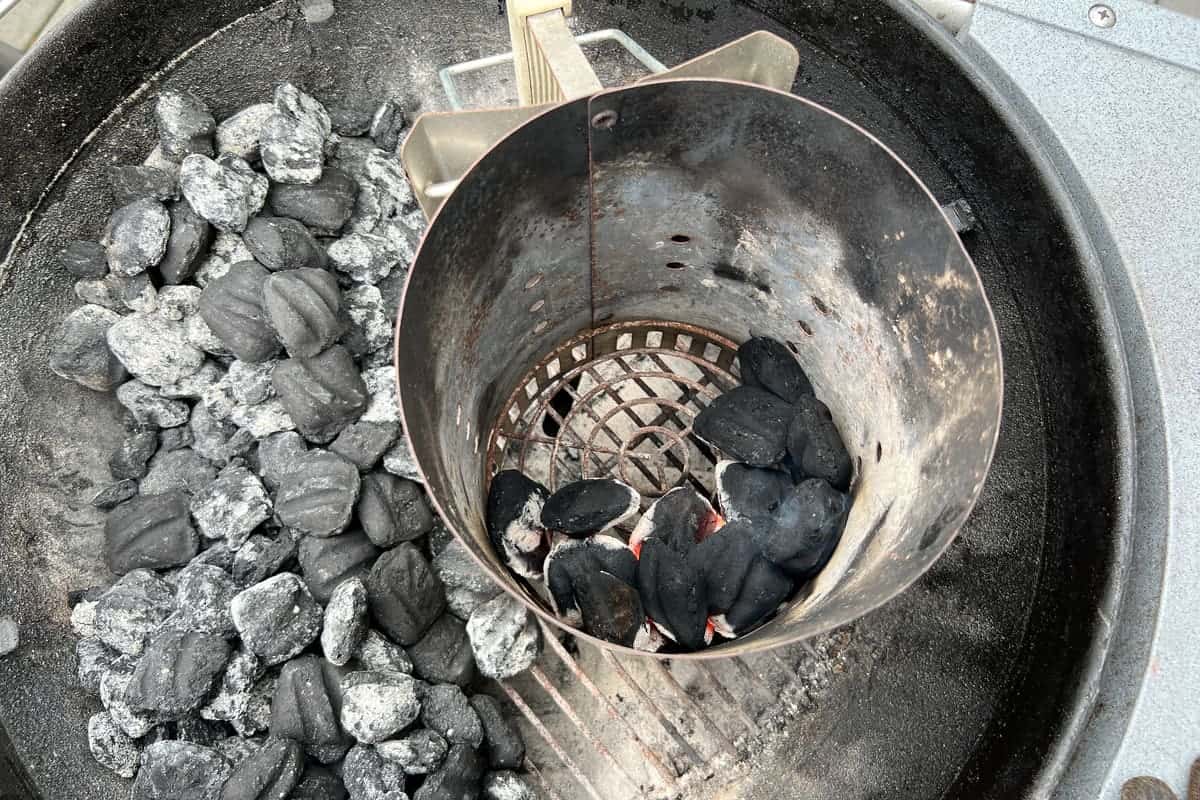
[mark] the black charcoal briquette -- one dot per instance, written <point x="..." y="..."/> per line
<point x="319" y="783"/>
<point x="392" y="510"/>
<point x="263" y="556"/>
<point x="406" y="596"/>
<point x="364" y="443"/>
<point x="303" y="305"/>
<point x="514" y="520"/>
<point x="324" y="206"/>
<point x="308" y="702"/>
<point x="132" y="456"/>
<point x="152" y="532"/>
<point x="573" y="562"/>
<point x="672" y="594"/>
<point x="504" y="745"/>
<point x="114" y="494"/>
<point x="325" y="563"/>
<point x="84" y="259"/>
<point x="747" y="423"/>
<point x="444" y="654"/>
<point x="187" y="245"/>
<point x="747" y="493"/>
<point x="80" y="352"/>
<point x="387" y="125"/>
<point x="271" y="773"/>
<point x="805" y="528"/>
<point x="815" y="448"/>
<point x="280" y="243"/>
<point x="233" y="308"/>
<point x="680" y="519"/>
<point x="318" y="494"/>
<point x="610" y="608"/>
<point x="323" y="394"/>
<point x="137" y="182"/>
<point x="446" y="711"/>
<point x="768" y="364"/>
<point x="176" y="672"/>
<point x="765" y="588"/>
<point x="458" y="777"/>
<point x="589" y="506"/>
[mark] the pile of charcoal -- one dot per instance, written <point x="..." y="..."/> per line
<point x="289" y="621"/>
<point x="689" y="572"/>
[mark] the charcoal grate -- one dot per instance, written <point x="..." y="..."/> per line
<point x="618" y="401"/>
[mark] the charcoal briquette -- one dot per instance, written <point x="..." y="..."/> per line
<point x="376" y="705"/>
<point x="131" y="610"/>
<point x="292" y="144"/>
<point x="323" y="394"/>
<point x="79" y="350"/>
<point x="217" y="440"/>
<point x="405" y="595"/>
<point x="191" y="727"/>
<point x="366" y="257"/>
<point x="444" y="654"/>
<point x="417" y="753"/>
<point x="153" y="348"/>
<point x="271" y="773"/>
<point x="589" y="506"/>
<point x="190" y="238"/>
<point x="112" y="748"/>
<point x="384" y="194"/>
<point x="104" y="292"/>
<point x="227" y="249"/>
<point x="263" y="556"/>
<point x="364" y="443"/>
<point x="747" y="423"/>
<point x="349" y="121"/>
<point x="457" y="568"/>
<point x="184" y="124"/>
<point x="277" y="455"/>
<point x="178" y="302"/>
<point x="507" y="785"/>
<point x="243" y="700"/>
<point x="458" y="777"/>
<point x="401" y="462"/>
<point x="815" y="448"/>
<point x="610" y="608"/>
<point x="227" y="192"/>
<point x="263" y="419"/>
<point x="232" y="506"/>
<point x="384" y="403"/>
<point x="217" y="554"/>
<point x="387" y="124"/>
<point x="370" y="329"/>
<point x="202" y="596"/>
<point x="345" y="623"/>
<point x="241" y="133"/>
<point x="805" y="528"/>
<point x="318" y="494"/>
<point x="84" y="259"/>
<point x="768" y="364"/>
<point x="765" y="588"/>
<point x="319" y="783"/>
<point x="325" y="563"/>
<point x="672" y="593"/>
<point x="131" y="458"/>
<point x="303" y="307"/>
<point x="179" y="470"/>
<point x="377" y="653"/>
<point x="250" y="383"/>
<point x="504" y="745"/>
<point x="236" y="749"/>
<point x="723" y="561"/>
<point x="175" y="770"/>
<point x="281" y="243"/>
<point x="136" y="237"/>
<point x="308" y="702"/>
<point x="504" y="637"/>
<point x="276" y="618"/>
<point x="151" y="408"/>
<point x="233" y="308"/>
<point x="573" y="562"/>
<point x="137" y="292"/>
<point x="392" y="510"/>
<point x="679" y="519"/>
<point x="138" y="182"/>
<point x="446" y="711"/>
<point x="114" y="494"/>
<point x="324" y="206"/>
<point x="10" y="635"/>
<point x="153" y="531"/>
<point x="368" y="776"/>
<point x="176" y="672"/>
<point x="113" y="686"/>
<point x="747" y="493"/>
<point x="194" y="386"/>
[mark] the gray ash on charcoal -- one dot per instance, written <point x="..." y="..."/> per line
<point x="686" y="572"/>
<point x="265" y="517"/>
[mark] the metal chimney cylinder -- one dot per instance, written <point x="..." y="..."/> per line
<point x="653" y="228"/>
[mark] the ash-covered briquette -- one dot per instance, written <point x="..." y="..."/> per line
<point x="276" y="618"/>
<point x="292" y="142"/>
<point x="84" y="259"/>
<point x="203" y="593"/>
<point x="345" y="621"/>
<point x="514" y="520"/>
<point x="136" y="237"/>
<point x="417" y="753"/>
<point x="153" y="348"/>
<point x="368" y="776"/>
<point x="376" y="705"/>
<point x="184" y="124"/>
<point x="132" y="457"/>
<point x="262" y="556"/>
<point x="279" y="243"/>
<point x="323" y="394"/>
<point x="176" y="672"/>
<point x="318" y="494"/>
<point x="377" y="653"/>
<point x="80" y="351"/>
<point x="748" y="423"/>
<point x="584" y="507"/>
<point x="130" y="182"/>
<point x="182" y="470"/>
<point x="111" y="746"/>
<point x="241" y="133"/>
<point x="505" y="637"/>
<point x="226" y="192"/>
<point x="176" y="770"/>
<point x="507" y="785"/>
<point x="231" y="507"/>
<point x="132" y="610"/>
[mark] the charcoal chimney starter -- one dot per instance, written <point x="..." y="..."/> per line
<point x="580" y="296"/>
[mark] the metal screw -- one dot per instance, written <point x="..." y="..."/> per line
<point x="1102" y="16"/>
